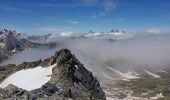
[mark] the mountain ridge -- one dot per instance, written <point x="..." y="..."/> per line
<point x="69" y="80"/>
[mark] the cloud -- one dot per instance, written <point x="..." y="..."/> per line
<point x="121" y="19"/>
<point x="29" y="55"/>
<point x="153" y="30"/>
<point x="14" y="9"/>
<point x="35" y="23"/>
<point x="88" y="1"/>
<point x="109" y="5"/>
<point x="54" y="29"/>
<point x="150" y="51"/>
<point x="47" y="4"/>
<point x="95" y="16"/>
<point x="72" y="21"/>
<point x="50" y="18"/>
<point x="50" y="29"/>
<point x="66" y="34"/>
<point x="142" y="51"/>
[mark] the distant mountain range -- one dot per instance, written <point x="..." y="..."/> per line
<point x="111" y="34"/>
<point x="111" y="56"/>
<point x="12" y="42"/>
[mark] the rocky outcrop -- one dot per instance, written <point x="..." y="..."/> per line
<point x="78" y="81"/>
<point x="70" y="80"/>
<point x="12" y="42"/>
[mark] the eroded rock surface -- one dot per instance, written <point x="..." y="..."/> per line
<point x="70" y="80"/>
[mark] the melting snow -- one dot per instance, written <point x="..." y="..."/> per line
<point x="152" y="74"/>
<point x="126" y="76"/>
<point x="162" y="71"/>
<point x="129" y="97"/>
<point x="29" y="79"/>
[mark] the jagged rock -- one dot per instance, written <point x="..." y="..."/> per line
<point x="70" y="72"/>
<point x="12" y="42"/>
<point x="70" y="80"/>
<point x="165" y="90"/>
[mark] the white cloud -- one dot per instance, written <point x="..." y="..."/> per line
<point x="72" y="21"/>
<point x="50" y="29"/>
<point x="109" y="5"/>
<point x="153" y="30"/>
<point x="98" y="15"/>
<point x="66" y="34"/>
<point x="14" y="9"/>
<point x="54" y="29"/>
<point x="35" y="23"/>
<point x="89" y="1"/>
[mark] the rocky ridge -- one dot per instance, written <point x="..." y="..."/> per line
<point x="70" y="80"/>
<point x="12" y="42"/>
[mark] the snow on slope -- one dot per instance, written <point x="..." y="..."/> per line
<point x="105" y="35"/>
<point x="29" y="79"/>
<point x="130" y="97"/>
<point x="162" y="71"/>
<point x="126" y="76"/>
<point x="152" y="74"/>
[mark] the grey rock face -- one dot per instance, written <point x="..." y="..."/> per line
<point x="70" y="80"/>
<point x="12" y="42"/>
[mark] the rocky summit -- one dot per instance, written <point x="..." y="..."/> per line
<point x="70" y="80"/>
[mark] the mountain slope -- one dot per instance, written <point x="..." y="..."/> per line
<point x="69" y="80"/>
<point x="12" y="42"/>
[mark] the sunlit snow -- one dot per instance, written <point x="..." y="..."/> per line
<point x="126" y="76"/>
<point x="29" y="79"/>
<point x="152" y="74"/>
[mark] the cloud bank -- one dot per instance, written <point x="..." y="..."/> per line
<point x="141" y="51"/>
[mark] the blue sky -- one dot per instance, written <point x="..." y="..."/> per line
<point x="53" y="16"/>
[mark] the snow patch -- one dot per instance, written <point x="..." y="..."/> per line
<point x="152" y="74"/>
<point x="76" y="67"/>
<point x="105" y="35"/>
<point x="129" y="97"/>
<point x="157" y="96"/>
<point x="126" y="76"/>
<point x="29" y="79"/>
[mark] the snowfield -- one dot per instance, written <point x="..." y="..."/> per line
<point x="29" y="79"/>
<point x="129" y="97"/>
<point x="152" y="74"/>
<point x="126" y="76"/>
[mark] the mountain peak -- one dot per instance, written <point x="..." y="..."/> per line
<point x="69" y="80"/>
<point x="71" y="72"/>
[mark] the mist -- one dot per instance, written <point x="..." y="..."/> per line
<point x="32" y="54"/>
<point x="142" y="51"/>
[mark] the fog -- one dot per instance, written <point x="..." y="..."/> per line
<point x="142" y="51"/>
<point x="32" y="54"/>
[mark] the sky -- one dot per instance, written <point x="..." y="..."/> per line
<point x="54" y="16"/>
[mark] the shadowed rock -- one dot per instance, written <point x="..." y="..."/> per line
<point x="69" y="80"/>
